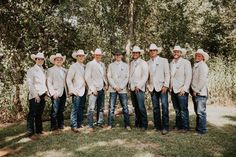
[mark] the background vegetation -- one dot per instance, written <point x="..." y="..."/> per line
<point x="29" y="26"/>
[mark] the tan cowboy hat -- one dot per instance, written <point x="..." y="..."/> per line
<point x="154" y="47"/>
<point x="205" y="55"/>
<point x="137" y="49"/>
<point x="38" y="55"/>
<point x="76" y="53"/>
<point x="97" y="52"/>
<point x="58" y="55"/>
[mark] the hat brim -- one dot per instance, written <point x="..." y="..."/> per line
<point x="182" y="53"/>
<point x="33" y="57"/>
<point x="97" y="54"/>
<point x="141" y="52"/>
<point x="205" y="55"/>
<point x="157" y="49"/>
<point x="53" y="57"/>
<point x="74" y="55"/>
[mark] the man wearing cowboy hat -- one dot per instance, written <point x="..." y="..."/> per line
<point x="199" y="89"/>
<point x="118" y="77"/>
<point x="36" y="82"/>
<point x="56" y="82"/>
<point x="158" y="84"/>
<point x="95" y="76"/>
<point x="137" y="82"/>
<point x="76" y="85"/>
<point x="181" y="75"/>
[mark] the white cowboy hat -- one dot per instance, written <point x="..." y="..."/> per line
<point x="177" y="48"/>
<point x="58" y="55"/>
<point x="76" y="53"/>
<point x="137" y="49"/>
<point x="97" y="52"/>
<point x="205" y="55"/>
<point x="38" y="55"/>
<point x="154" y="47"/>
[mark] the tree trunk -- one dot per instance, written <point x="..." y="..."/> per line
<point x="17" y="102"/>
<point x="130" y="28"/>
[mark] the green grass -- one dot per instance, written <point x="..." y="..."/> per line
<point x="119" y="142"/>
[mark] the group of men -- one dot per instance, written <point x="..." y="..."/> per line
<point x="160" y="78"/>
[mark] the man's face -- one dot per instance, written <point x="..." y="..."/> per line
<point x="98" y="57"/>
<point x="198" y="57"/>
<point x="153" y="53"/>
<point x="118" y="57"/>
<point x="136" y="55"/>
<point x="176" y="54"/>
<point x="58" y="61"/>
<point x="80" y="58"/>
<point x="39" y="61"/>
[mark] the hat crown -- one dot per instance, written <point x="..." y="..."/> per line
<point x="39" y="55"/>
<point x="200" y="51"/>
<point x="153" y="47"/>
<point x="80" y="51"/>
<point x="136" y="49"/>
<point x="98" y="51"/>
<point x="177" y="48"/>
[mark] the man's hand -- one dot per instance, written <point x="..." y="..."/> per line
<point x="55" y="96"/>
<point x="136" y="89"/>
<point x="106" y="87"/>
<point x="37" y="99"/>
<point x="164" y="90"/>
<point x="194" y="94"/>
<point x="117" y="89"/>
<point x="182" y="92"/>
<point x="95" y="93"/>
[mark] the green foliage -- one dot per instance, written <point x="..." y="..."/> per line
<point x="28" y="26"/>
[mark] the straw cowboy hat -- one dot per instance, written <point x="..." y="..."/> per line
<point x="182" y="50"/>
<point x="76" y="53"/>
<point x="38" y="55"/>
<point x="205" y="55"/>
<point x="137" y="49"/>
<point x="58" y="55"/>
<point x="97" y="52"/>
<point x="154" y="47"/>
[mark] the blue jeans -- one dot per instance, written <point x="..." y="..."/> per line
<point x="112" y="105"/>
<point x="137" y="99"/>
<point x="35" y="115"/>
<point x="180" y="104"/>
<point x="57" y="109"/>
<point x="158" y="123"/>
<point x="93" y="100"/>
<point x="200" y="110"/>
<point x="76" y="116"/>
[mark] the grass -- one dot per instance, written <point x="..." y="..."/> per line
<point x="119" y="142"/>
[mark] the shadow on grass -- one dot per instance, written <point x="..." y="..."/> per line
<point x="233" y="118"/>
<point x="119" y="142"/>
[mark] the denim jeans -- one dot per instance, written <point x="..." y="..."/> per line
<point x="93" y="100"/>
<point x="112" y="105"/>
<point x="57" y="109"/>
<point x="137" y="99"/>
<point x="158" y="123"/>
<point x="180" y="104"/>
<point x="76" y="116"/>
<point x="200" y="110"/>
<point x="35" y="115"/>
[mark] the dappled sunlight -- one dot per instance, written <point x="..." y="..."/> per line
<point x="134" y="144"/>
<point x="54" y="153"/>
<point x="9" y="138"/>
<point x="144" y="154"/>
